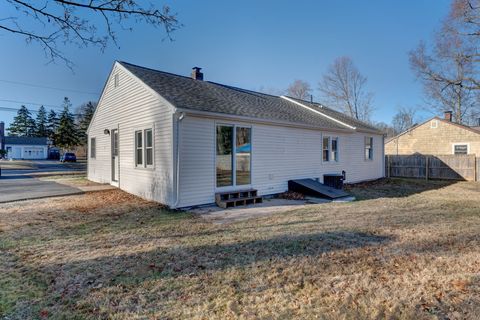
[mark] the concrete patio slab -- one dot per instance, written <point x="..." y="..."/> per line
<point x="268" y="207"/>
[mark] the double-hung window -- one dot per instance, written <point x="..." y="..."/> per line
<point x="139" y="148"/>
<point x="148" y="148"/>
<point x="144" y="150"/>
<point x="335" y="149"/>
<point x="368" y="148"/>
<point x="329" y="149"/>
<point x="326" y="149"/>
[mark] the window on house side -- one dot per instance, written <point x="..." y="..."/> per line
<point x="138" y="148"/>
<point x="326" y="149"/>
<point x="149" y="147"/>
<point x="434" y="124"/>
<point x="460" y="149"/>
<point x="368" y="148"/>
<point x="335" y="149"/>
<point x="93" y="148"/>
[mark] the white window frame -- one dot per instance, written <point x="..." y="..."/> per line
<point x="337" y="158"/>
<point x="234" y="185"/>
<point x="365" y="148"/>
<point x="434" y="124"/>
<point x="460" y="144"/>
<point x="138" y="165"/>
<point x="329" y="149"/>
<point x="93" y="155"/>
<point x="144" y="148"/>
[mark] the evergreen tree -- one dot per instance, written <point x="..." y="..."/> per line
<point x="23" y="124"/>
<point x="66" y="136"/>
<point x="84" y="116"/>
<point x="52" y="125"/>
<point x="41" y="123"/>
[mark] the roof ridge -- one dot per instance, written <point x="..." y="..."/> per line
<point x="156" y="70"/>
<point x="205" y="81"/>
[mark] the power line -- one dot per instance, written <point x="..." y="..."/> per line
<point x="10" y="109"/>
<point x="33" y="103"/>
<point x="48" y="87"/>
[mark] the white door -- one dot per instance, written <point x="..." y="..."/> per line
<point x="115" y="159"/>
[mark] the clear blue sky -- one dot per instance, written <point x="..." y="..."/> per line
<point x="249" y="44"/>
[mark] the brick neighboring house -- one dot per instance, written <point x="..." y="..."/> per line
<point x="436" y="136"/>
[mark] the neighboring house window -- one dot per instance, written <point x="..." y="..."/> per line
<point x="368" y="148"/>
<point x="116" y="80"/>
<point x="335" y="149"/>
<point x="149" y="147"/>
<point x="326" y="149"/>
<point x="144" y="148"/>
<point x="434" y="124"/>
<point x="460" y="149"/>
<point x="138" y="148"/>
<point x="93" y="148"/>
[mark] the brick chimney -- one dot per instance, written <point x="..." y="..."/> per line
<point x="448" y="115"/>
<point x="196" y="74"/>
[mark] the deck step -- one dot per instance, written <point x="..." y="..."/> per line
<point x="237" y="198"/>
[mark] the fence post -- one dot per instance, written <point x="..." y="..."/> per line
<point x="388" y="166"/>
<point x="426" y="167"/>
<point x="475" y="169"/>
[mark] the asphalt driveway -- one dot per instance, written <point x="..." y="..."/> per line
<point x="16" y="188"/>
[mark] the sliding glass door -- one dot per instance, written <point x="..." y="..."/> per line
<point x="233" y="155"/>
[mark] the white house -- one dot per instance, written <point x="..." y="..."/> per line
<point x="28" y="148"/>
<point x="180" y="140"/>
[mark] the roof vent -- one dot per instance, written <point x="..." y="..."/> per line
<point x="196" y="74"/>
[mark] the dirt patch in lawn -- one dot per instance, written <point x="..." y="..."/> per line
<point x="112" y="255"/>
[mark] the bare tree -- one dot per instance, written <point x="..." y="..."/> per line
<point x="386" y="129"/>
<point x="449" y="70"/>
<point x="52" y="23"/>
<point x="403" y="119"/>
<point x="344" y="88"/>
<point x="299" y="89"/>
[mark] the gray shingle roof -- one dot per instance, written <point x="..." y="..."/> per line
<point x="339" y="116"/>
<point x="186" y="93"/>
<point x="40" y="141"/>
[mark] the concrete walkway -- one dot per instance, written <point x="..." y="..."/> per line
<point x="16" y="188"/>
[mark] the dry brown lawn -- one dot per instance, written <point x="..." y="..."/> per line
<point x="405" y="250"/>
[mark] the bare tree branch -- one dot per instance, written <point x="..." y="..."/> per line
<point x="449" y="70"/>
<point x="300" y="89"/>
<point x="56" y="23"/>
<point x="344" y="87"/>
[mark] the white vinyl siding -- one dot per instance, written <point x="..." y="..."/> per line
<point x="278" y="154"/>
<point x="130" y="107"/>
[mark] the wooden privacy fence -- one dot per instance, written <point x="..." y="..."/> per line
<point x="451" y="167"/>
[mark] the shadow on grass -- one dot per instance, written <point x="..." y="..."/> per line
<point x="178" y="261"/>
<point x="395" y="187"/>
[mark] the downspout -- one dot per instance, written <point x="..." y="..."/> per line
<point x="179" y="118"/>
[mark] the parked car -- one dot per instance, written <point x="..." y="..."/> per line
<point x="68" y="157"/>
